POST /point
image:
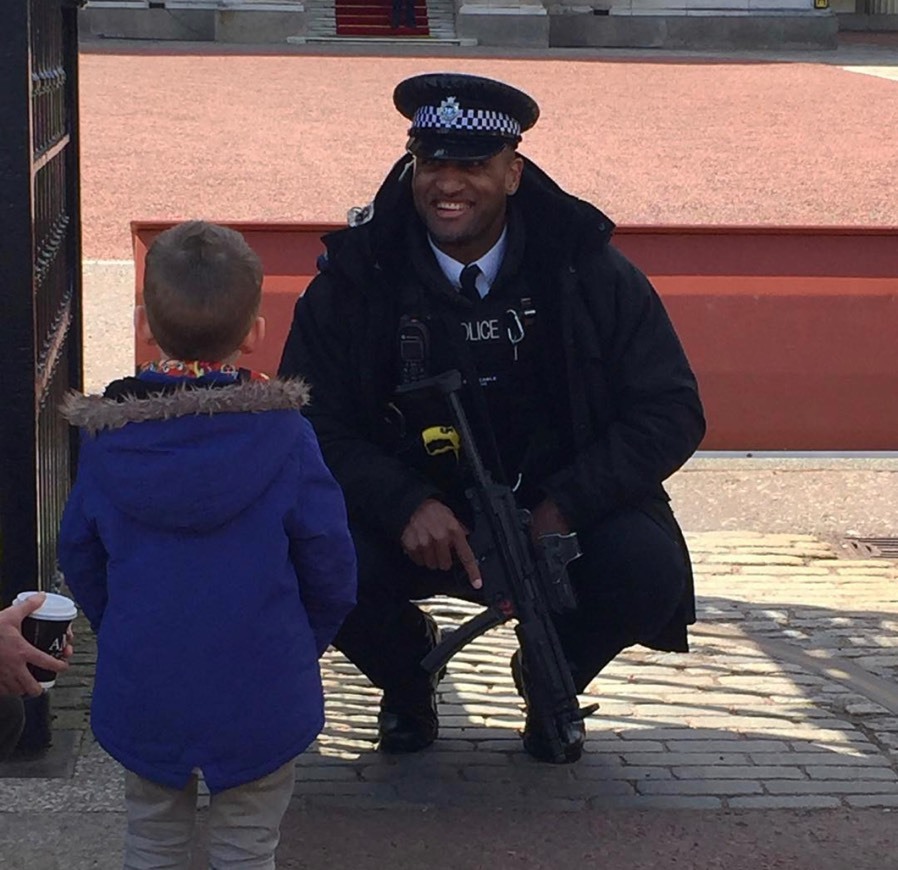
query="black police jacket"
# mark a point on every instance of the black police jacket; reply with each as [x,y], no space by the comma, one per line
[633,402]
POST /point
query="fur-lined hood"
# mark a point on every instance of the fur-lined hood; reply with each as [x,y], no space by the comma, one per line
[191,459]
[96,413]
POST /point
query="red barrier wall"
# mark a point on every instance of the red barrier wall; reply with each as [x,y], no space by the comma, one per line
[792,331]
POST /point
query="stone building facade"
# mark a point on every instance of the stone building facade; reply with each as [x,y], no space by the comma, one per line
[723,25]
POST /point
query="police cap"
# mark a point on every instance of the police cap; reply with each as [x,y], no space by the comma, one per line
[462,117]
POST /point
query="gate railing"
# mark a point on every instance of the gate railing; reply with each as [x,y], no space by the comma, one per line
[881,7]
[40,287]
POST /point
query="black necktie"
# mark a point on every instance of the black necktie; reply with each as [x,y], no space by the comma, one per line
[468,282]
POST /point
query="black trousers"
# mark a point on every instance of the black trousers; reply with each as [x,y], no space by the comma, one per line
[403,12]
[12,720]
[629,582]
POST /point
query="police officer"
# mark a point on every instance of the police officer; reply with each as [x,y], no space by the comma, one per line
[580,395]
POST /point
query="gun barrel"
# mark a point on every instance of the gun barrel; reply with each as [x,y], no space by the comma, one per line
[468,444]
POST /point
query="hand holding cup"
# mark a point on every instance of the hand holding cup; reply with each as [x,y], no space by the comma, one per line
[35,640]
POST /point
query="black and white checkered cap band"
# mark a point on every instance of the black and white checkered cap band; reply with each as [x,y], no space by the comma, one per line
[452,117]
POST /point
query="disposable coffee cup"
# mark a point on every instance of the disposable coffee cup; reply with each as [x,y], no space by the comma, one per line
[46,629]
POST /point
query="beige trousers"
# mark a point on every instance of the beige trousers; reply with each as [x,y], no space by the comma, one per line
[244,823]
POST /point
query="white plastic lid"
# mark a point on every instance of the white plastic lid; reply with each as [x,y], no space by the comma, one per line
[57,608]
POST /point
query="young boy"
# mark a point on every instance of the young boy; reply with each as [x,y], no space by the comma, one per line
[207,544]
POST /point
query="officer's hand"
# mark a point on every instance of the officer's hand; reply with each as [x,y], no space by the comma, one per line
[433,535]
[547,519]
[16,652]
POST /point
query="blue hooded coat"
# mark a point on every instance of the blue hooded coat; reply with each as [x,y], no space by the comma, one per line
[207,544]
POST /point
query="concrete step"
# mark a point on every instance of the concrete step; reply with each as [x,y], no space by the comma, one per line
[321,20]
[379,40]
[259,21]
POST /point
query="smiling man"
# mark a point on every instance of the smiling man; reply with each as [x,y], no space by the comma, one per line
[472,258]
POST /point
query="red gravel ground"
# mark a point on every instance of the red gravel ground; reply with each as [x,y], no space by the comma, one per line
[303,136]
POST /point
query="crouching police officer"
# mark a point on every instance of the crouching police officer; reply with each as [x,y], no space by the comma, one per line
[472,258]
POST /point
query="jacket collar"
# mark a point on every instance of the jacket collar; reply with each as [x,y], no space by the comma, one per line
[539,201]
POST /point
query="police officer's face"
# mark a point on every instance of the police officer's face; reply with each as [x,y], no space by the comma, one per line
[463,204]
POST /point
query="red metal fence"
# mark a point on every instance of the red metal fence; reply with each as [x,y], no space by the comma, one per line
[792,331]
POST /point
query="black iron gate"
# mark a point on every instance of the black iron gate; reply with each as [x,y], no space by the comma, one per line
[40,282]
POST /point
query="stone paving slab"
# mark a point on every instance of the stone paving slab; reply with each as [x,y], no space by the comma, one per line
[734,724]
[883,72]
[626,839]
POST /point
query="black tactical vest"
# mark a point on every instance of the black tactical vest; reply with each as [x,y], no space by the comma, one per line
[496,344]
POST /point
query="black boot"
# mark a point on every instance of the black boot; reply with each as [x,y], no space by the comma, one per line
[536,741]
[408,721]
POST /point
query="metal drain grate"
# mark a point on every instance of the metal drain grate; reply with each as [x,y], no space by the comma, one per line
[871,548]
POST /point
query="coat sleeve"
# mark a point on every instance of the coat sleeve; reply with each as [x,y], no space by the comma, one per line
[382,490]
[321,548]
[82,556]
[623,337]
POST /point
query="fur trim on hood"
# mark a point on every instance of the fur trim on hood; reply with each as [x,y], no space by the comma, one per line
[96,413]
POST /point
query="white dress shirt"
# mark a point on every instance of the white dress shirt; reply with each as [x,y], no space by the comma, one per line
[489,264]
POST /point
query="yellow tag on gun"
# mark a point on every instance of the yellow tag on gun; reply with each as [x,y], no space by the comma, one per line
[441,439]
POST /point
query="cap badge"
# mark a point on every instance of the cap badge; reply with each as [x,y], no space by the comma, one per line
[449,110]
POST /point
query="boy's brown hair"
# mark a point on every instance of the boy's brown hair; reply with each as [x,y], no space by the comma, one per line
[202,290]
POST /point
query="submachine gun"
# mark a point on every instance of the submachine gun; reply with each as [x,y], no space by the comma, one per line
[521,580]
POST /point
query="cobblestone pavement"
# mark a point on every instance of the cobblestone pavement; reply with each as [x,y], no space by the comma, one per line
[731,725]
[787,700]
